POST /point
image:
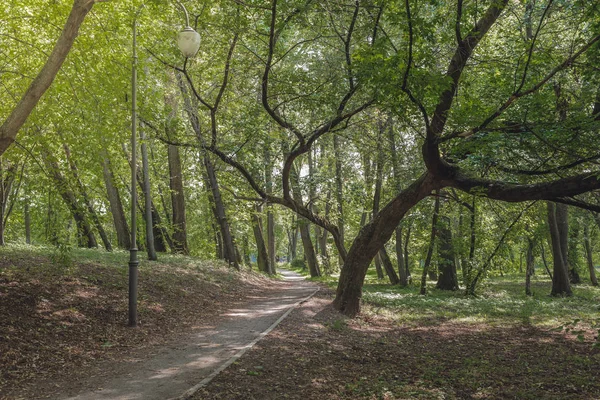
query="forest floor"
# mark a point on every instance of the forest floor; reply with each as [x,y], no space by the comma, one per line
[63,321]
[318,354]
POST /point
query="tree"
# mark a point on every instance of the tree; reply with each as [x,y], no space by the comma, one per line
[36,89]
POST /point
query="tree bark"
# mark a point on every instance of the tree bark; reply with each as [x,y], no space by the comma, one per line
[426,265]
[262,258]
[529,266]
[10,127]
[371,239]
[446,263]
[270,216]
[560,281]
[588,254]
[385,259]
[150,211]
[304,226]
[27,222]
[116,206]
[220,215]
[339,190]
[84,230]
[86,199]
[180,244]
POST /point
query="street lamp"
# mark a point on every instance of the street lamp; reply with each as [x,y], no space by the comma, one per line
[188,42]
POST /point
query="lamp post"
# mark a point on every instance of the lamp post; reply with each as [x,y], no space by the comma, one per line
[188,42]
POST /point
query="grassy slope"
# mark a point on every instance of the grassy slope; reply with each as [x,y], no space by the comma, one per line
[61,313]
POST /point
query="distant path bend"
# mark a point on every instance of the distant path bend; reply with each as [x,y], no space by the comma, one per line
[176,372]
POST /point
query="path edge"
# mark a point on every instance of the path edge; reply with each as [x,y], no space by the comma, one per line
[190,392]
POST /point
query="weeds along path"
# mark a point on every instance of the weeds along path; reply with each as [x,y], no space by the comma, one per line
[177,371]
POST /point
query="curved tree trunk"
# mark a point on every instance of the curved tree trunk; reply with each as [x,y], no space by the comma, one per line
[10,127]
[371,239]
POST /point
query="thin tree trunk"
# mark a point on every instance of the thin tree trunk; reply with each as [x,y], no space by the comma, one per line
[84,230]
[262,258]
[220,215]
[7,176]
[339,190]
[543,254]
[304,226]
[378,267]
[406,260]
[150,221]
[180,244]
[27,222]
[588,254]
[270,216]
[529,266]
[86,199]
[434,222]
[385,259]
[116,206]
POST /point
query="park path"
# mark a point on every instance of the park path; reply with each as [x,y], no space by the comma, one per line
[176,371]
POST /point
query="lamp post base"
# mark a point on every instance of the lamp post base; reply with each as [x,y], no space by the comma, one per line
[133,283]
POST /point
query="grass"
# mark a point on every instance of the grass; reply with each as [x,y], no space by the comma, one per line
[501,300]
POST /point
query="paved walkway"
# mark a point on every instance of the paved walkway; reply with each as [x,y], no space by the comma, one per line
[177,369]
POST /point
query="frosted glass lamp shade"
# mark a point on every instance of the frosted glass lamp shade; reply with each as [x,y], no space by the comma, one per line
[188,42]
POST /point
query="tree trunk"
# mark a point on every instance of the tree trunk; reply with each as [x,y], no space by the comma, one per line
[339,189]
[588,254]
[84,230]
[262,258]
[27,222]
[116,206]
[150,211]
[573,251]
[371,239]
[434,222]
[220,215]
[556,221]
[529,266]
[378,267]
[304,226]
[10,127]
[7,176]
[446,264]
[270,216]
[86,199]
[180,244]
[406,260]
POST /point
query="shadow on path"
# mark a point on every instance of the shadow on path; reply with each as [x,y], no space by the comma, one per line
[177,368]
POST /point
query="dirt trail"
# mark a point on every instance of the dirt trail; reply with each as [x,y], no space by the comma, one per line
[176,369]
